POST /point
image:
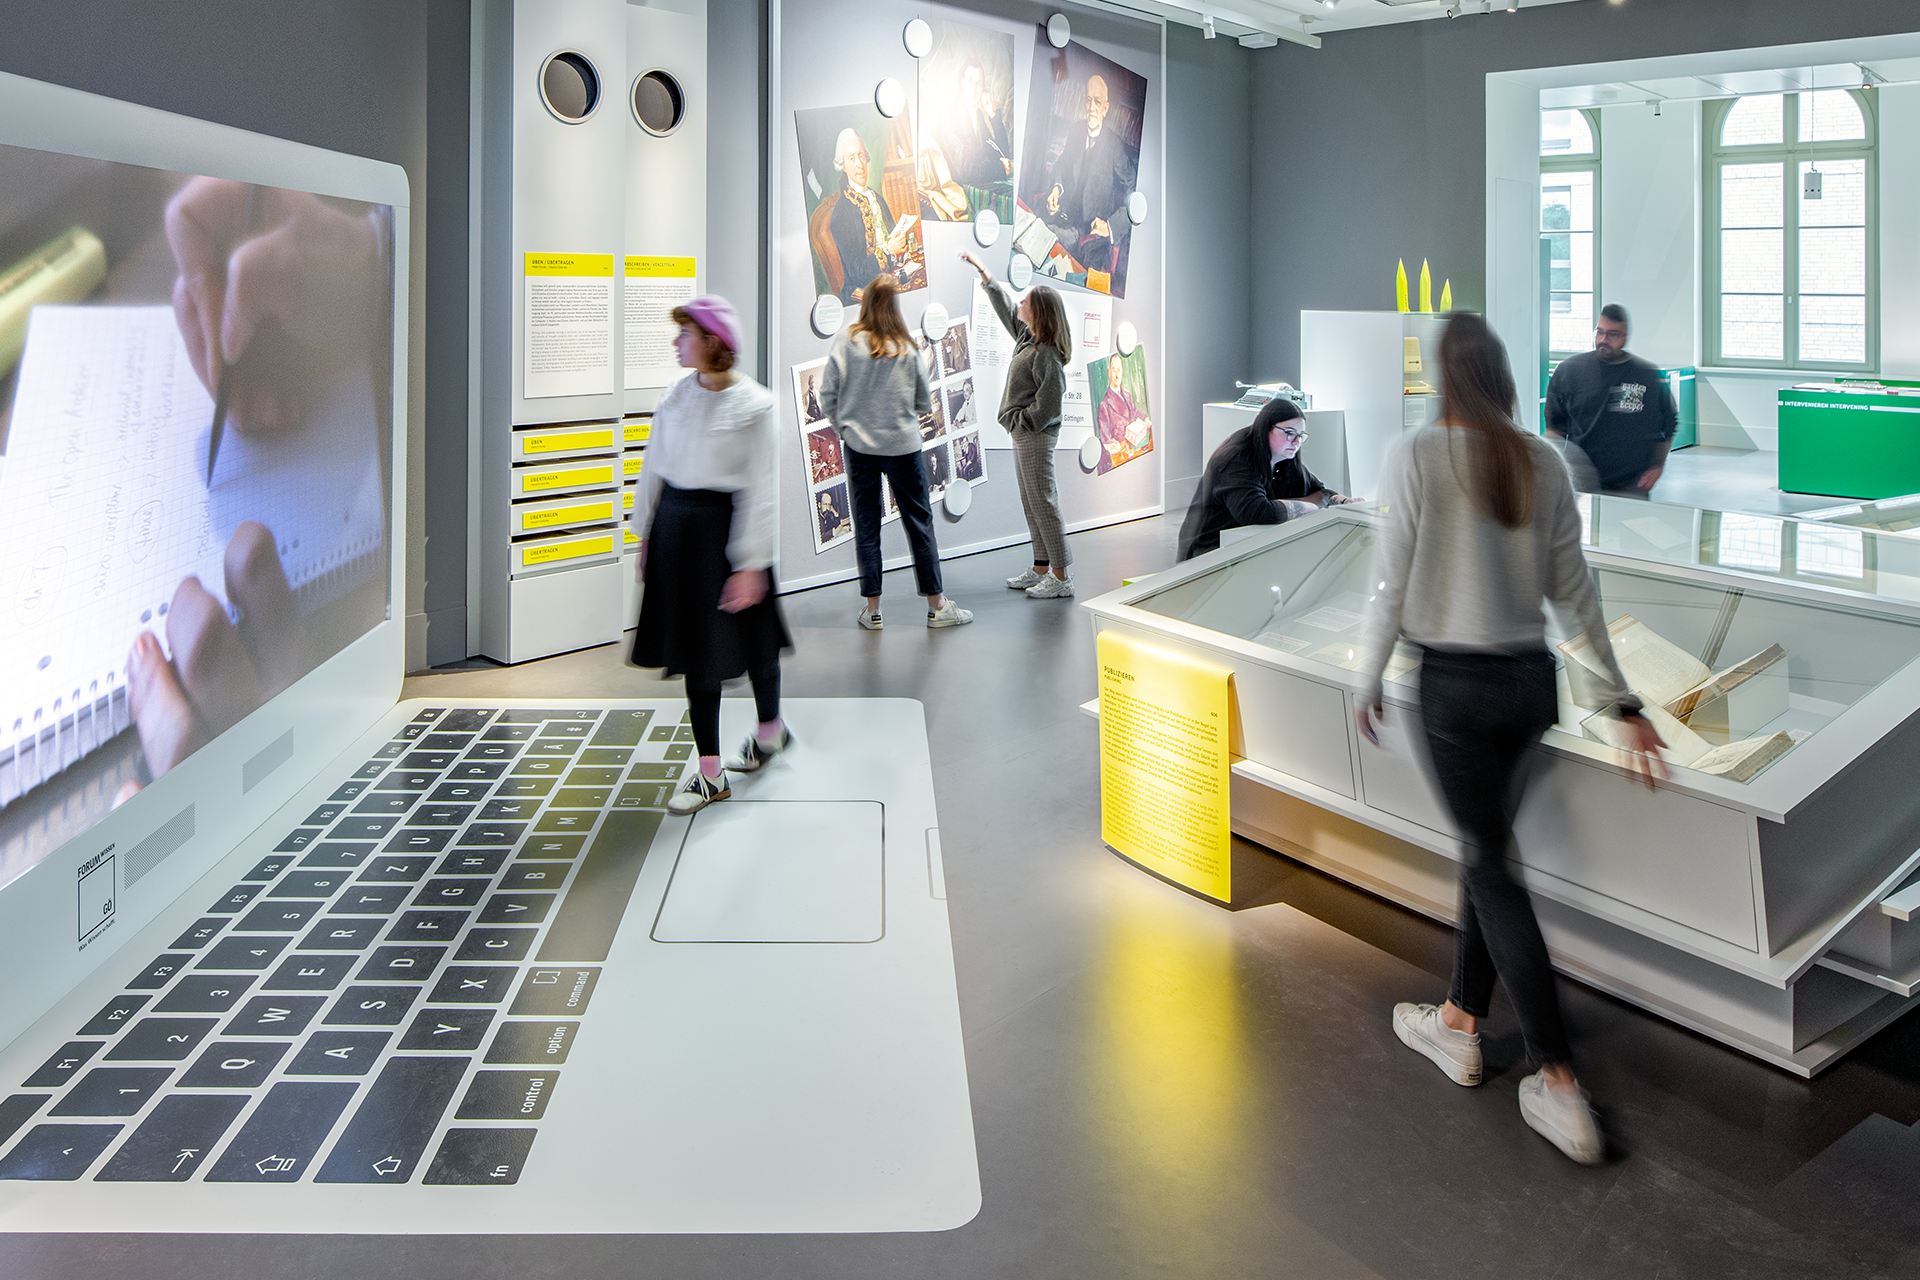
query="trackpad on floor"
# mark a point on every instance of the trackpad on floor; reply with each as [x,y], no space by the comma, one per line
[778,871]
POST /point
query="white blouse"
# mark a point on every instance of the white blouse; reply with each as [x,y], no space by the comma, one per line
[719,440]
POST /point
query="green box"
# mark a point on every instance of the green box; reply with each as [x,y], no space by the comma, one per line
[1850,439]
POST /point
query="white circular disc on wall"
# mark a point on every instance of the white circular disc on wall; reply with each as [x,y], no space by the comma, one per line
[1019,271]
[1090,453]
[890,96]
[986,228]
[1126,337]
[828,315]
[933,322]
[1137,208]
[959,496]
[918,37]
[1059,31]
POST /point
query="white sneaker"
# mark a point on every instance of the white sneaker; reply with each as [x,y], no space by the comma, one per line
[1051,588]
[1563,1118]
[1024,579]
[949,614]
[699,792]
[870,619]
[1455,1052]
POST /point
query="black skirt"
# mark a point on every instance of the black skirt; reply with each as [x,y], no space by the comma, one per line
[681,626]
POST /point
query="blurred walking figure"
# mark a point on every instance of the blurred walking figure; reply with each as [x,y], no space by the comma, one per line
[874,392]
[1030,411]
[1482,528]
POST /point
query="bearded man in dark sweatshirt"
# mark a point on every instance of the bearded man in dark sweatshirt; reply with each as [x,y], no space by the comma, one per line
[1614,409]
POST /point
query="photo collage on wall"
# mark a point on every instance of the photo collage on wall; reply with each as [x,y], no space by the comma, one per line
[954,425]
[828,493]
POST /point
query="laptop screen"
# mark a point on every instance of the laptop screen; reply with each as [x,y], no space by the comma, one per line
[196,429]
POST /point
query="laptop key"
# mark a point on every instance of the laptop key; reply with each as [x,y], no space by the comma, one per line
[533,875]
[268,868]
[480,1157]
[428,926]
[428,760]
[277,917]
[495,944]
[460,792]
[473,984]
[419,840]
[297,840]
[440,815]
[386,870]
[644,795]
[553,847]
[204,993]
[476,770]
[155,975]
[401,964]
[516,908]
[63,1066]
[117,1013]
[364,900]
[585,777]
[236,898]
[445,741]
[535,1042]
[339,1053]
[325,813]
[510,733]
[427,714]
[391,751]
[337,856]
[408,780]
[451,893]
[310,973]
[283,1133]
[654,772]
[581,797]
[372,1006]
[362,828]
[341,933]
[554,747]
[347,790]
[203,931]
[466,719]
[540,715]
[567,822]
[371,769]
[507,1095]
[596,901]
[679,751]
[397,1118]
[234,1064]
[112,1091]
[493,833]
[57,1152]
[17,1110]
[461,1029]
[562,991]
[310,884]
[622,728]
[613,757]
[524,787]
[510,807]
[274,1016]
[170,1144]
[244,954]
[161,1040]
[471,862]
[542,767]
[386,802]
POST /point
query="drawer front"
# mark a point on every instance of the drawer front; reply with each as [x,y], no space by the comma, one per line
[564,442]
[539,555]
[572,477]
[632,465]
[565,513]
[634,431]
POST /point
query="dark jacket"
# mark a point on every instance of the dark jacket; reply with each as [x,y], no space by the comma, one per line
[1036,379]
[1241,487]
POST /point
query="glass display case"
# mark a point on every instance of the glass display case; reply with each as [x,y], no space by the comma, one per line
[1742,896]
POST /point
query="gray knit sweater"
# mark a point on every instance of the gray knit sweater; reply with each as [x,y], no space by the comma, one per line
[1449,576]
[1035,379]
[875,402]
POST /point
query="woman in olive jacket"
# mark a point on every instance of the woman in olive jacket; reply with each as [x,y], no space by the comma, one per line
[1030,411]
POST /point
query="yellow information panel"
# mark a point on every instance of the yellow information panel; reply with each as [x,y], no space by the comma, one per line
[636,430]
[638,265]
[569,264]
[1164,723]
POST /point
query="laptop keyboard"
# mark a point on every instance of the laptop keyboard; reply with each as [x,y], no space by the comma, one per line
[391,994]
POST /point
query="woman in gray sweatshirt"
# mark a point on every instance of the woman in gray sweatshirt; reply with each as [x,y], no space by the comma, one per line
[873,392]
[1030,411]
[1481,528]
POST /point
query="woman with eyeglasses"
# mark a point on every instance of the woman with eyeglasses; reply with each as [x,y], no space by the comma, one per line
[1255,477]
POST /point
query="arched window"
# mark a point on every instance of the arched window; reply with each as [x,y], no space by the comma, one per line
[1792,231]
[1570,223]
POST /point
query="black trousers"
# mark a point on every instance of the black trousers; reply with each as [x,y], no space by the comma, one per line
[1483,712]
[703,705]
[909,484]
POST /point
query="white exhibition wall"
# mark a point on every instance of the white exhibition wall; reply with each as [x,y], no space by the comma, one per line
[833,53]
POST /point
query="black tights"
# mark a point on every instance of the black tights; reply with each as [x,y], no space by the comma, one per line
[703,706]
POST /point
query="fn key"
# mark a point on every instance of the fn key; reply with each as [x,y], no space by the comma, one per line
[480,1158]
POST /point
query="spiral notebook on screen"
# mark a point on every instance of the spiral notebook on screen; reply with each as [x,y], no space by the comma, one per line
[105,510]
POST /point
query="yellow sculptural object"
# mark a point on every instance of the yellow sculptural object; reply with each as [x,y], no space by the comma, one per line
[1446,296]
[1400,286]
[1426,287]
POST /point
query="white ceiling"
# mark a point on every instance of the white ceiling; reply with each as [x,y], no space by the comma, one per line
[1260,23]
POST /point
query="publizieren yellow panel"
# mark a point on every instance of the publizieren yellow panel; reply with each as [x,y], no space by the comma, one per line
[1164,756]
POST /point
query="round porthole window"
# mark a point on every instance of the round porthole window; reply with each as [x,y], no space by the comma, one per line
[570,86]
[659,103]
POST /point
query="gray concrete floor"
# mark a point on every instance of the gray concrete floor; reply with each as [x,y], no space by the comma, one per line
[1163,1088]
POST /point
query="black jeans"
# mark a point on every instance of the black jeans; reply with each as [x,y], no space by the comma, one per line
[1483,712]
[703,706]
[909,484]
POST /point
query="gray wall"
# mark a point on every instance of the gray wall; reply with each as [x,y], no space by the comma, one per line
[1372,147]
[1209,239]
[442,457]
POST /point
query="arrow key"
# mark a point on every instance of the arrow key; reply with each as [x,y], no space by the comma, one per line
[174,1142]
[283,1132]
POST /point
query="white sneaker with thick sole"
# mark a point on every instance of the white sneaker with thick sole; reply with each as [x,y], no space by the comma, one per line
[699,792]
[949,614]
[870,619]
[1024,579]
[1051,588]
[1563,1118]
[1455,1052]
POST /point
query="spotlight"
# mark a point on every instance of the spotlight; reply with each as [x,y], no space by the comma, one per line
[1449,11]
[1330,3]
[1206,27]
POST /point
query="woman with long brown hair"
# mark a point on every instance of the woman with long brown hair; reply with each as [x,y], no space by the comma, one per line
[1482,528]
[1030,411]
[873,392]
